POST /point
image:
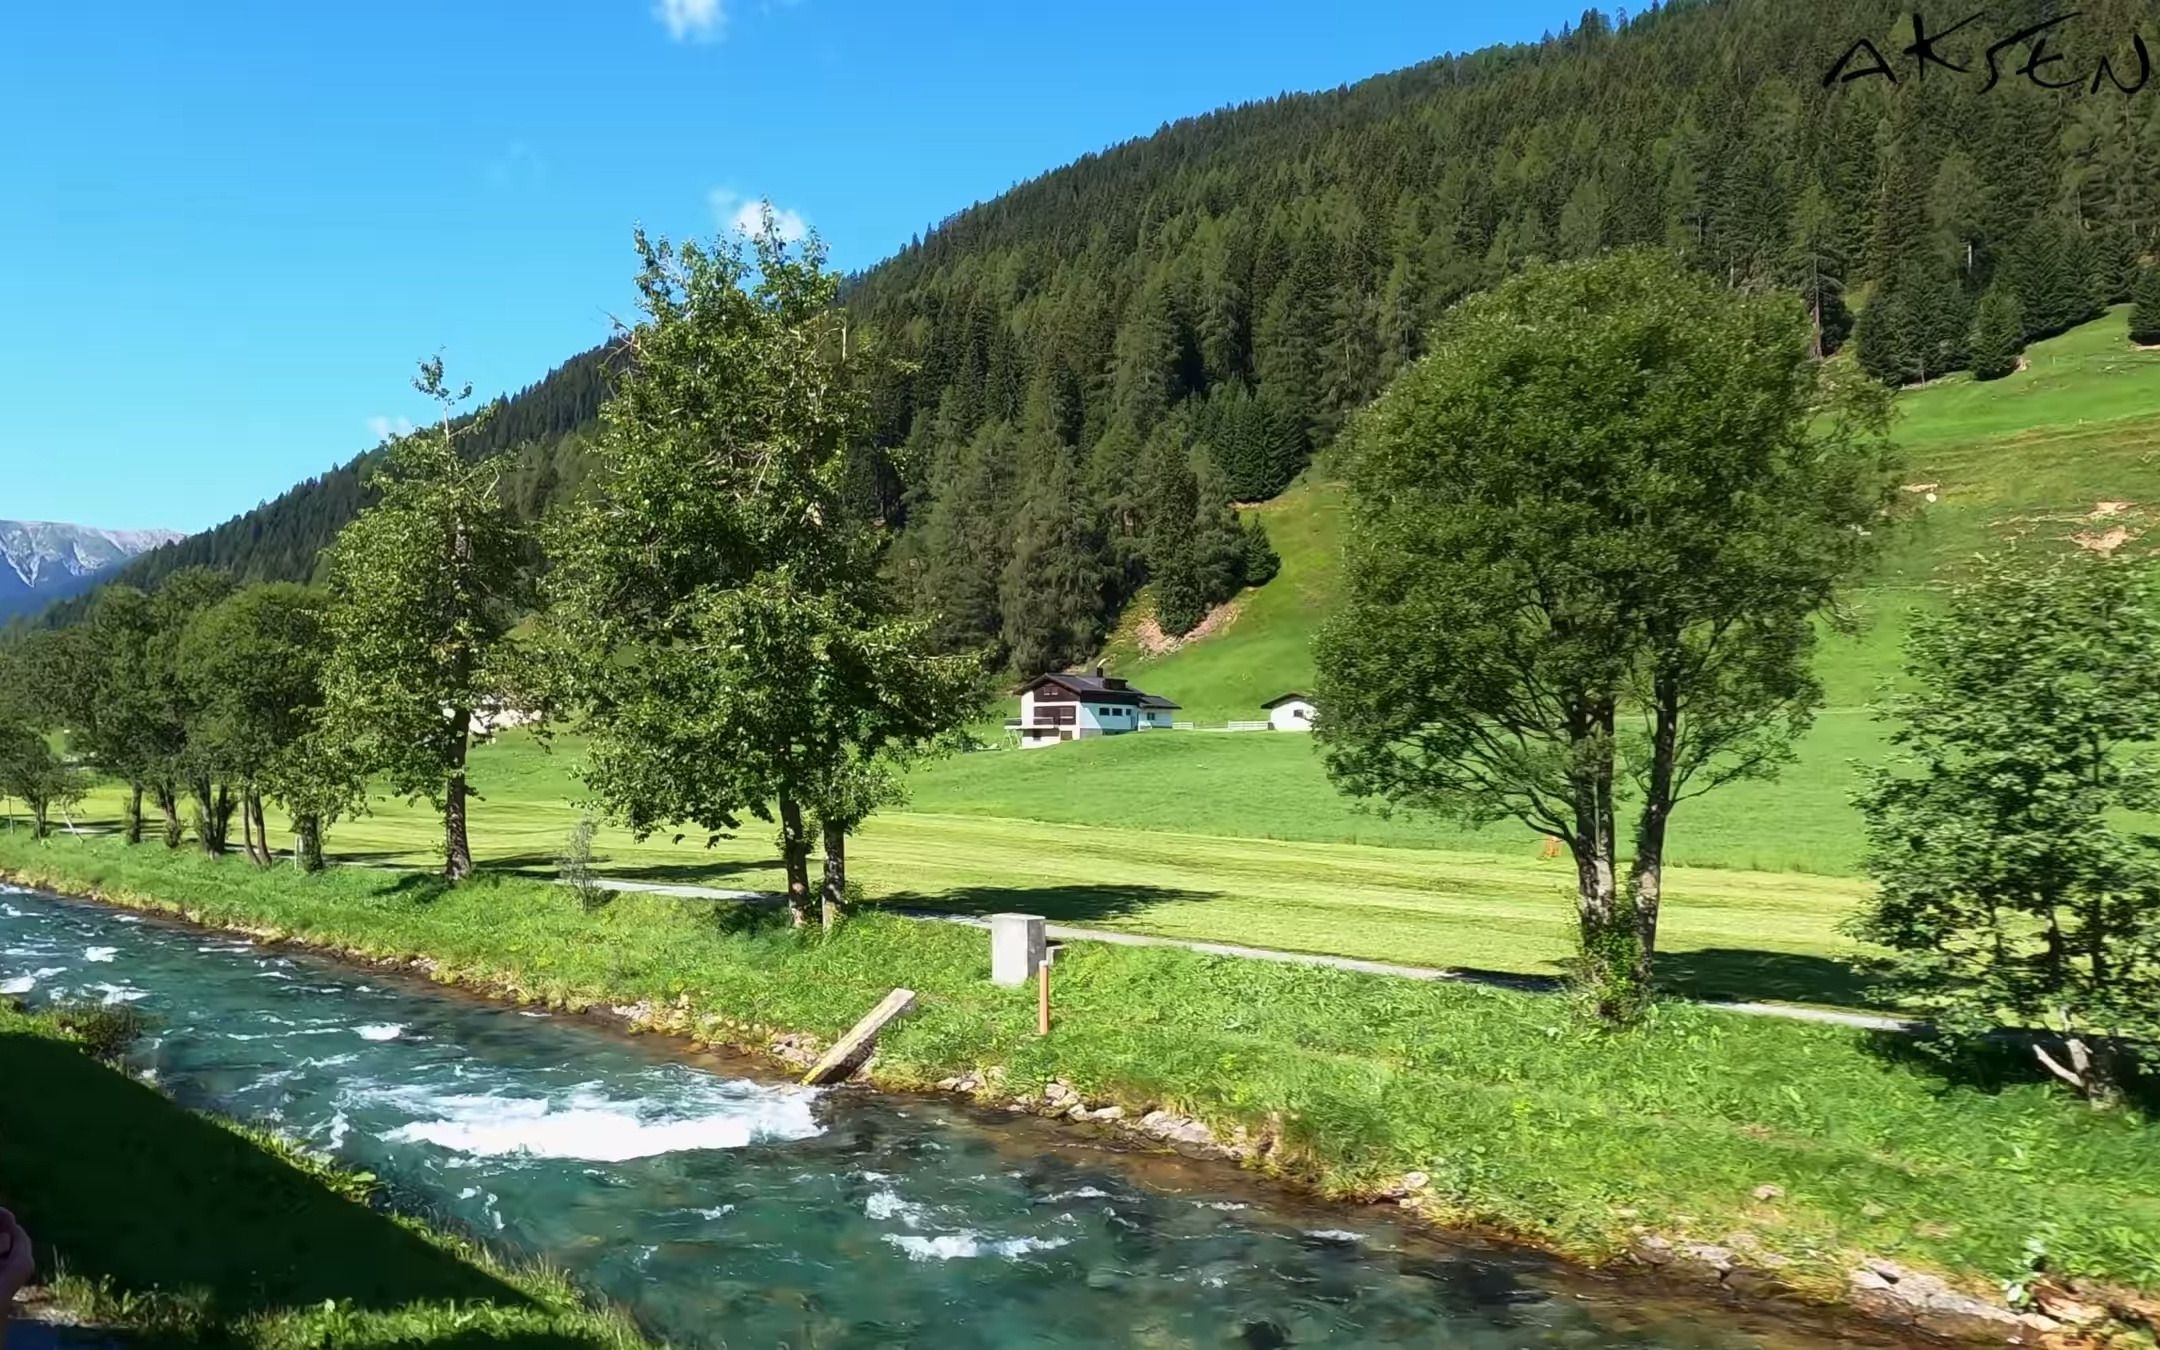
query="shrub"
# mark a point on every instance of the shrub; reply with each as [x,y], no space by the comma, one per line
[573,867]
[103,1030]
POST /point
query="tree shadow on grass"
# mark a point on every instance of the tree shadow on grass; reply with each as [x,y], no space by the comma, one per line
[423,888]
[1059,904]
[126,1187]
[2000,1064]
[1741,974]
[718,872]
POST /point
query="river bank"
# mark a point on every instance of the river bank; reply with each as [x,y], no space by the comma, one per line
[162,1224]
[1758,1156]
[724,1208]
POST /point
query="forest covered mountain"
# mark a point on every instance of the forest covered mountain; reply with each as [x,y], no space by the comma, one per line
[1071,382]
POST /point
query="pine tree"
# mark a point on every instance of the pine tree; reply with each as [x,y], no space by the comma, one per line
[1218,545]
[964,544]
[2145,307]
[1261,561]
[1815,266]
[1889,345]
[1998,335]
[1145,379]
[1290,340]
[1051,593]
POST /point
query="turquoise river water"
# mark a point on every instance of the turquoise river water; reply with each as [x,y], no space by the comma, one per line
[724,1208]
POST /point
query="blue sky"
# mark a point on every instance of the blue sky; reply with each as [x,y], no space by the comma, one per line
[230,229]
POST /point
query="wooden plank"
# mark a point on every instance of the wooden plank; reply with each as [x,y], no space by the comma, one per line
[850,1050]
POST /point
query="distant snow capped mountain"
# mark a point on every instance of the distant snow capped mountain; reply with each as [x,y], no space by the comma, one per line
[41,562]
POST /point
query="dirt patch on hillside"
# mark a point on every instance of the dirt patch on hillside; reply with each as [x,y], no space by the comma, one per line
[2102,541]
[1155,642]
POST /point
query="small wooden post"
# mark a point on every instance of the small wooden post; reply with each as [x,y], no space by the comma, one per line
[1042,998]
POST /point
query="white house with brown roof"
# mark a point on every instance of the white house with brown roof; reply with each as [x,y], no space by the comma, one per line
[1059,707]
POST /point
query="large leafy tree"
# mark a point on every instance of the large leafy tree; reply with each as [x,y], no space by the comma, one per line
[718,611]
[98,680]
[32,773]
[181,760]
[254,664]
[423,586]
[1590,536]
[2012,884]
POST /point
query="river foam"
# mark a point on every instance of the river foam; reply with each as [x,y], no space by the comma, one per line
[588,1125]
[958,1246]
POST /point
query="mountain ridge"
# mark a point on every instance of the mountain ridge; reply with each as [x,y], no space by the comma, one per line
[48,560]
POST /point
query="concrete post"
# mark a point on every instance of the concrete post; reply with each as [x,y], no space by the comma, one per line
[1016,947]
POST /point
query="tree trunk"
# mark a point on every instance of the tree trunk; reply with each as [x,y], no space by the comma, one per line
[1607,960]
[213,816]
[457,847]
[134,813]
[169,803]
[307,827]
[251,808]
[834,897]
[40,817]
[1647,876]
[795,857]
[247,831]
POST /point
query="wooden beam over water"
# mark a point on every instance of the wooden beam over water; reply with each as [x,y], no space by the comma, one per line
[850,1050]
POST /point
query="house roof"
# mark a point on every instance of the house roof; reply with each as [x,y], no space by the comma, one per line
[1097,689]
[1292,697]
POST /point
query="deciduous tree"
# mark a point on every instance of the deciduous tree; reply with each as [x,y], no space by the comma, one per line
[254,663]
[1589,537]
[33,774]
[423,587]
[2012,883]
[719,613]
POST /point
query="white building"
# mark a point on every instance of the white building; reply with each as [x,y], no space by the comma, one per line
[1055,708]
[1289,712]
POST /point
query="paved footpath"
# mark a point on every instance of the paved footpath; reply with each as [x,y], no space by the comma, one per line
[1068,933]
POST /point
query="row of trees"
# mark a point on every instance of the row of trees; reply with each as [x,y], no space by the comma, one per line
[713,610]
[204,698]
[1026,556]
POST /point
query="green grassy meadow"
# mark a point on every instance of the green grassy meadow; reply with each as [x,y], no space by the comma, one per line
[1522,1118]
[1240,837]
[1427,898]
[183,1229]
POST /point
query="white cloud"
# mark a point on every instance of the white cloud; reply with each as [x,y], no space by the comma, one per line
[692,20]
[383,428]
[746,216]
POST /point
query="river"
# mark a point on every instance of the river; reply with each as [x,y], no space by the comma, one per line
[723,1207]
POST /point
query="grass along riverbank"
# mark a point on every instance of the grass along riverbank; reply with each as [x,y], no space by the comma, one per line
[1521,1120]
[1728,933]
[163,1225]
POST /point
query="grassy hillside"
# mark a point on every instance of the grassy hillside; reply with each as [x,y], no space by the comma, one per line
[2068,446]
